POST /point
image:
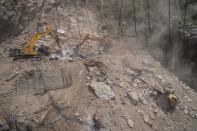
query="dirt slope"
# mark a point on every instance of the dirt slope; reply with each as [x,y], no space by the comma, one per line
[125,67]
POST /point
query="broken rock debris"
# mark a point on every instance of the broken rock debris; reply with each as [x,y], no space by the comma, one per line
[60,31]
[133,97]
[98,123]
[66,53]
[102,90]
[130,123]
[145,117]
[147,120]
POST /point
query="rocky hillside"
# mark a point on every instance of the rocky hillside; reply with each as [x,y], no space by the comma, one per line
[119,89]
[108,82]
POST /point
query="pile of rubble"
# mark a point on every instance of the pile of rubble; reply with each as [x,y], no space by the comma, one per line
[98,81]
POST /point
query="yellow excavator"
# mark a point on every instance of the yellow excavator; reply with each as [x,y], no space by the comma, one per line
[32,48]
[173,99]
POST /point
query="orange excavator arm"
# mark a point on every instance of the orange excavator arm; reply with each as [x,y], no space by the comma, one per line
[29,48]
[88,37]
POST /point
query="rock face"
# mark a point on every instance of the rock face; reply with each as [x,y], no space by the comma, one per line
[18,122]
[16,14]
[9,18]
[41,81]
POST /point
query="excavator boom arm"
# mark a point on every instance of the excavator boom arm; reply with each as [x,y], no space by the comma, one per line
[29,48]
